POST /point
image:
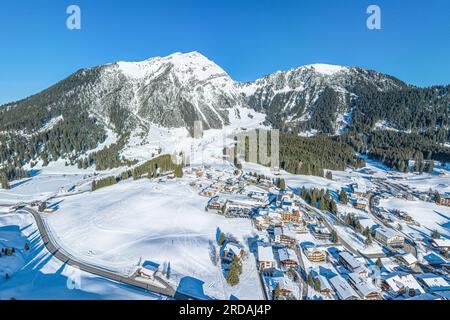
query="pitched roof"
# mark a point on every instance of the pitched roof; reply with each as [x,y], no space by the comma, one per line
[398,282]
[363,285]
[409,258]
[265,254]
[434,282]
[350,259]
[287,254]
[442,242]
[343,289]
[150,265]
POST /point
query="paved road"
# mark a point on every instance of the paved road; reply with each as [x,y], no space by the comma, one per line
[303,284]
[59,253]
[342,241]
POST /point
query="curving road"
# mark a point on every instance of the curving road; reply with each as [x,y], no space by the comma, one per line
[59,253]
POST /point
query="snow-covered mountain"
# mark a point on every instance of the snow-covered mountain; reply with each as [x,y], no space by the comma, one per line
[172,91]
[142,103]
[318,96]
[176,90]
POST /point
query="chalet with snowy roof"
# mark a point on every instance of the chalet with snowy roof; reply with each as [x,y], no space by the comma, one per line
[389,237]
[287,203]
[282,236]
[266,259]
[445,199]
[287,287]
[288,258]
[359,189]
[364,287]
[402,284]
[348,261]
[424,297]
[433,283]
[343,289]
[360,204]
[229,250]
[262,222]
[325,287]
[314,254]
[215,204]
[407,259]
[434,260]
[321,232]
[442,244]
[148,269]
[389,265]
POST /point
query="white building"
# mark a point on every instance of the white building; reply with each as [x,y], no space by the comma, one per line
[348,261]
[389,237]
[402,283]
[265,258]
[148,269]
[365,288]
[288,257]
[343,289]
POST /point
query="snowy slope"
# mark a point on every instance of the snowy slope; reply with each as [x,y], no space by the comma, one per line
[163,222]
[36,274]
[300,95]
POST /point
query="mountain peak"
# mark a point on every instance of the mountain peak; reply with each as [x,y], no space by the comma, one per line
[326,69]
[187,66]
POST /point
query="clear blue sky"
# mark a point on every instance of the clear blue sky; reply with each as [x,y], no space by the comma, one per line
[248,38]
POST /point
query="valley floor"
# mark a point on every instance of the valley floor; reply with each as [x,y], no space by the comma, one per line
[165,222]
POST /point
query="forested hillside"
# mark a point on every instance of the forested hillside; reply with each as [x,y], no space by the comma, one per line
[423,111]
[70,136]
[312,155]
[395,149]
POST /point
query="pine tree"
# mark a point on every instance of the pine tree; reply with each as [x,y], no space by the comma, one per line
[379,263]
[368,241]
[366,232]
[234,271]
[322,204]
[310,279]
[343,197]
[282,185]
[334,237]
[430,168]
[277,292]
[5,182]
[238,264]
[168,271]
[317,284]
[333,207]
[437,198]
[179,172]
[435,234]
[221,239]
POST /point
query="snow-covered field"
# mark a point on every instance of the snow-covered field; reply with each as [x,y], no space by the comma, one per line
[36,274]
[430,215]
[116,227]
[39,187]
[165,222]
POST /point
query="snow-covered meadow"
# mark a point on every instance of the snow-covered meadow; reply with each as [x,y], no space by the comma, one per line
[36,274]
[118,226]
[429,215]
